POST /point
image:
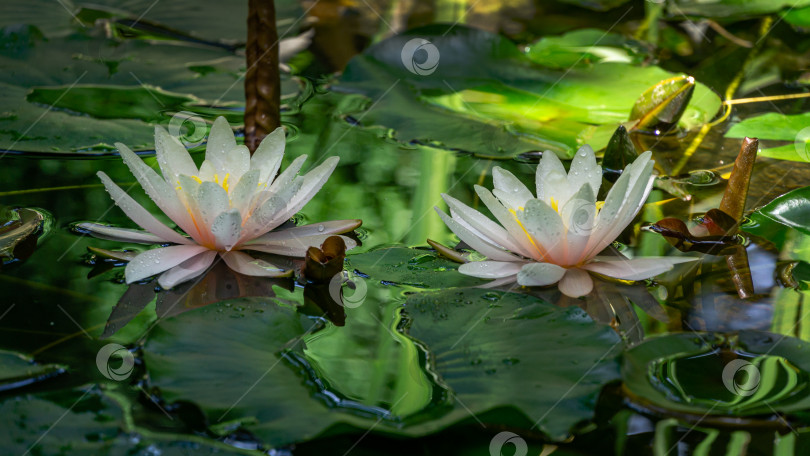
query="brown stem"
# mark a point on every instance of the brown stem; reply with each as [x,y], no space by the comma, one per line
[262,83]
[733,204]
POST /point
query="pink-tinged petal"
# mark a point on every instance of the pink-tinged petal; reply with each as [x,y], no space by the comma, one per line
[156,261]
[499,282]
[490,269]
[476,243]
[246,264]
[112,233]
[172,157]
[510,222]
[311,183]
[226,229]
[261,220]
[539,274]
[546,228]
[330,227]
[635,268]
[267,158]
[220,142]
[509,189]
[138,214]
[295,247]
[576,283]
[187,270]
[480,224]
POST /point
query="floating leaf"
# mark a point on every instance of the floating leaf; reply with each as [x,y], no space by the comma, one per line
[20,231]
[791,209]
[661,106]
[413,267]
[619,153]
[501,103]
[17,370]
[779,127]
[730,9]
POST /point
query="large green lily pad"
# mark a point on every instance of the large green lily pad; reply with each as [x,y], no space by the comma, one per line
[486,97]
[412,267]
[266,367]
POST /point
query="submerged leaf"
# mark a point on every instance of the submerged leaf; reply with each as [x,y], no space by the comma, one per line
[20,230]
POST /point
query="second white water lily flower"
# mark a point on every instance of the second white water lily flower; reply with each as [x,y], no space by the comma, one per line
[557,236]
[232,203]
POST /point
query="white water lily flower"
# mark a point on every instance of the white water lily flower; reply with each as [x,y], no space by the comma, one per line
[557,236]
[229,205]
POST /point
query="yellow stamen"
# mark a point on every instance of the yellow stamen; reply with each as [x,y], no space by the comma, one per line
[528,236]
[216,178]
[554,205]
[225,182]
[197,178]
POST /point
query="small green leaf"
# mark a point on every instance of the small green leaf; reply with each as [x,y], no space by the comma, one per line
[661,107]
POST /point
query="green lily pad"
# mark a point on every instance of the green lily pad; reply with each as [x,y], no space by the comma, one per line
[412,267]
[791,209]
[754,373]
[268,368]
[486,97]
[778,127]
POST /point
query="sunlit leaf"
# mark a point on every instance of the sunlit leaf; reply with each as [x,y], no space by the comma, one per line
[779,127]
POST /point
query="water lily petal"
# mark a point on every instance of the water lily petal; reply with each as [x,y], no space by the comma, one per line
[156,261]
[510,222]
[267,157]
[311,183]
[187,270]
[330,227]
[491,269]
[576,283]
[546,228]
[480,245]
[578,215]
[262,219]
[242,193]
[296,246]
[622,203]
[220,143]
[207,171]
[156,187]
[286,177]
[480,224]
[246,264]
[112,233]
[172,157]
[539,274]
[635,268]
[551,178]
[509,189]
[213,200]
[227,228]
[584,170]
[138,214]
[499,282]
[237,163]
